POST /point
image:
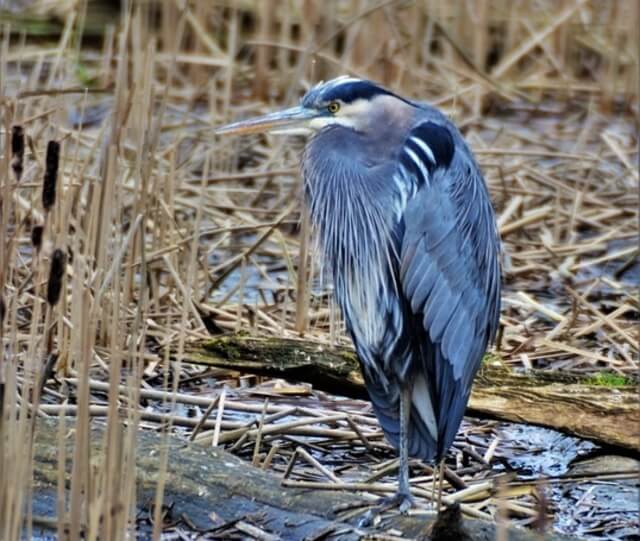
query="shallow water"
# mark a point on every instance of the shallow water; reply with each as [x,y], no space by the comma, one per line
[533,451]
[589,507]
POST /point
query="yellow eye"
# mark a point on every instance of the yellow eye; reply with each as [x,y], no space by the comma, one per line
[333,107]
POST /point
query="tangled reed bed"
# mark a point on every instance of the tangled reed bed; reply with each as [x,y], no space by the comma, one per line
[165,234]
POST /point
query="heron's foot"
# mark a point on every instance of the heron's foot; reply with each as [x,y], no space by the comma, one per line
[403,501]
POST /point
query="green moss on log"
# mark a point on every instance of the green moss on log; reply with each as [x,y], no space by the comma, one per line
[605,410]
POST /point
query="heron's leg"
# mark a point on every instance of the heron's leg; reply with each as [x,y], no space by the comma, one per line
[440,479]
[434,476]
[404,488]
[402,499]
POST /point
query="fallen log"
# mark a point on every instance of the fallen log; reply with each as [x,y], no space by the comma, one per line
[561,401]
[207,487]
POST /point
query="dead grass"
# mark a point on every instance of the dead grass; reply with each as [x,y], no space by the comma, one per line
[169,234]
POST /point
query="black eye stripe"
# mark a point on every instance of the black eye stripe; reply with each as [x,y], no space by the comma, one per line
[346,91]
[356,90]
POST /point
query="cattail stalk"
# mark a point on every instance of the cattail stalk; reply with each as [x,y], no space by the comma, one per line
[3,310]
[50,175]
[36,237]
[17,151]
[54,288]
[56,273]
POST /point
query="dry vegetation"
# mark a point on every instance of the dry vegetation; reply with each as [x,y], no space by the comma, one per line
[150,234]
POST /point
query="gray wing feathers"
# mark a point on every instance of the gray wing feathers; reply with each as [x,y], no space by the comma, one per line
[441,304]
[385,404]
[450,275]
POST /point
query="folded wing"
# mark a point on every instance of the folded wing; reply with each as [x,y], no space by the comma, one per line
[449,274]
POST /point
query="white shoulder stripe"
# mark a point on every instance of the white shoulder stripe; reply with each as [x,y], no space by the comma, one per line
[404,174]
[425,148]
[419,163]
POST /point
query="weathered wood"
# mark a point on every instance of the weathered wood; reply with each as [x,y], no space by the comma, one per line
[560,401]
[204,482]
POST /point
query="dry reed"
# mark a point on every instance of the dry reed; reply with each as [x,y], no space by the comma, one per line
[172,234]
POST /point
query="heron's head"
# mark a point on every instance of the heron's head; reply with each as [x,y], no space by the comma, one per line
[346,101]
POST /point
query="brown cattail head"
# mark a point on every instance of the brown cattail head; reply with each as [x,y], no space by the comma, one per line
[50,175]
[56,273]
[36,236]
[3,309]
[17,151]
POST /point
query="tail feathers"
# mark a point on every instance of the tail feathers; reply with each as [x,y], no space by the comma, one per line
[438,402]
[452,396]
[422,439]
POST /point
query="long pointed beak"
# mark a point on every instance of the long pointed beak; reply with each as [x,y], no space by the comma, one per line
[282,121]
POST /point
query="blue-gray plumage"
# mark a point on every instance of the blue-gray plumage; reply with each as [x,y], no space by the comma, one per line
[405,221]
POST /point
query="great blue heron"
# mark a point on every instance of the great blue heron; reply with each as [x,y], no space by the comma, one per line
[405,221]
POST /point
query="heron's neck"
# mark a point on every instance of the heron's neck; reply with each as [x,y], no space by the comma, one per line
[347,188]
[351,208]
